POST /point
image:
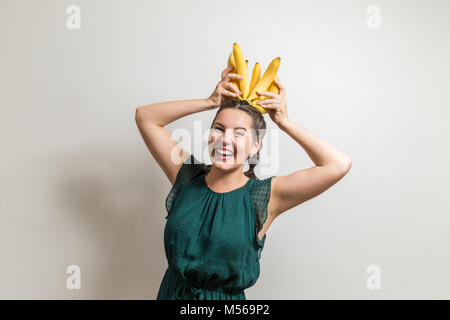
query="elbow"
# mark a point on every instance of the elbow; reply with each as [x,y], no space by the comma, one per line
[138,114]
[144,116]
[347,166]
[342,167]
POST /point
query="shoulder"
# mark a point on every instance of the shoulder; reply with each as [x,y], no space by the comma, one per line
[191,167]
[189,170]
[260,191]
[261,185]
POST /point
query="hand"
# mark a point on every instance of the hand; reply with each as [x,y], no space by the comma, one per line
[277,106]
[225,90]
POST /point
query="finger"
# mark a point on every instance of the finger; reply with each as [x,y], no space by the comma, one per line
[231,87]
[267,101]
[226,71]
[234,76]
[270,106]
[229,93]
[282,88]
[267,93]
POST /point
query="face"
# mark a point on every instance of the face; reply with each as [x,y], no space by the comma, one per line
[232,139]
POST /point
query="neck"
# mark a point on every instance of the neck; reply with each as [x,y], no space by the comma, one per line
[226,179]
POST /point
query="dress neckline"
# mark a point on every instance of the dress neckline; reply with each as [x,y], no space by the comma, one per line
[222,193]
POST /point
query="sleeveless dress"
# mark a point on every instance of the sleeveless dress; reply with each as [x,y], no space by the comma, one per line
[211,239]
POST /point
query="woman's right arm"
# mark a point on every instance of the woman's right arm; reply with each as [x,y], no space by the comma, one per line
[151,120]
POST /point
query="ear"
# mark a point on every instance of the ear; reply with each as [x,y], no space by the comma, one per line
[255,147]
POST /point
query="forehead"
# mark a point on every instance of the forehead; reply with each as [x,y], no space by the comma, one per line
[232,118]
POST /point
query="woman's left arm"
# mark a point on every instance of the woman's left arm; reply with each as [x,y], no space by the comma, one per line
[331,164]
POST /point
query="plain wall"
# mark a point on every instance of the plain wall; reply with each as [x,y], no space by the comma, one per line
[79,187]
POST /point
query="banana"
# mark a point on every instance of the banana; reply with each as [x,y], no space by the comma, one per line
[261,109]
[266,83]
[241,69]
[272,88]
[255,75]
[266,79]
[246,66]
[232,63]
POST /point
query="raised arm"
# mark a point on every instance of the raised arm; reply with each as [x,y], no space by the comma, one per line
[331,164]
[293,189]
[151,120]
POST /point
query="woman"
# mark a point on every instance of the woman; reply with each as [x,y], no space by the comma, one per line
[217,215]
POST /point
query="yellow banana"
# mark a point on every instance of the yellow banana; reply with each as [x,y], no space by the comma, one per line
[272,88]
[246,71]
[241,69]
[246,66]
[261,109]
[255,75]
[266,83]
[266,79]
[231,62]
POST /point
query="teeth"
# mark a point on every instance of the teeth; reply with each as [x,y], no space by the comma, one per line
[223,154]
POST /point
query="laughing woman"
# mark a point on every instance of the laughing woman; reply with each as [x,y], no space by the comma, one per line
[218,215]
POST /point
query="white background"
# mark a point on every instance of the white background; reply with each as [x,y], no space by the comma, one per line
[78,185]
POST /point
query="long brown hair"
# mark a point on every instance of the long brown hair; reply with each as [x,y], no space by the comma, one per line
[259,126]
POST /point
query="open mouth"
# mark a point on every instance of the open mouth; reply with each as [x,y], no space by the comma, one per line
[222,156]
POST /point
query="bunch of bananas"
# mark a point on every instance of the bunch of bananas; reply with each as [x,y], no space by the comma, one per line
[249,88]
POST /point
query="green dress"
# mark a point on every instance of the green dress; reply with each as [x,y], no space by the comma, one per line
[211,239]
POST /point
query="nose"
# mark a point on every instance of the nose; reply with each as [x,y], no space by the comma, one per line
[225,140]
[228,136]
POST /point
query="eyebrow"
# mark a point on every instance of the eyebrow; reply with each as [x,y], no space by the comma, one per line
[235,127]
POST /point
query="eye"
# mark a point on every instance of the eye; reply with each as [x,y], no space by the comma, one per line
[239,133]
